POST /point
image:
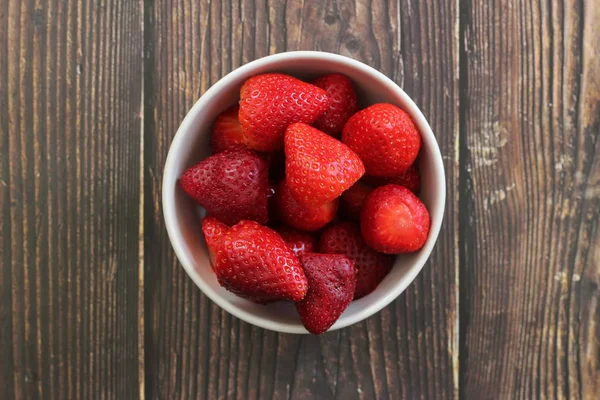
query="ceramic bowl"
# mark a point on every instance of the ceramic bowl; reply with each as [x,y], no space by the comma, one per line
[191,145]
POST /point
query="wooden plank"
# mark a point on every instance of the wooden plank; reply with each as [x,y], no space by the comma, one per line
[69,193]
[6,351]
[196,350]
[531,270]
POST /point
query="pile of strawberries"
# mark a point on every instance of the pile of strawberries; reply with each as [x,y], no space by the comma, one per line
[307,197]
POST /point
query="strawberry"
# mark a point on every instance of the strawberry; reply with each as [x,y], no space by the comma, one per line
[300,217]
[410,179]
[213,230]
[255,263]
[271,102]
[318,167]
[371,266]
[385,138]
[226,132]
[352,199]
[300,242]
[231,186]
[331,279]
[342,103]
[393,220]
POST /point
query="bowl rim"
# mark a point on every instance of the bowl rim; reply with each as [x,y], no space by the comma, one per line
[173,226]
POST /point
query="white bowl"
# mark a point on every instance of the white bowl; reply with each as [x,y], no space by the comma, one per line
[191,145]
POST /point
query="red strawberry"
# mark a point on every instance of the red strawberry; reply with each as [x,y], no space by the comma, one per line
[371,266]
[271,102]
[213,230]
[409,179]
[255,263]
[231,186]
[318,167]
[385,138]
[342,103]
[299,217]
[352,199]
[227,132]
[393,220]
[331,279]
[300,242]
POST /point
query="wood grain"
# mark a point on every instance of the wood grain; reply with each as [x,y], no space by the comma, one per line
[196,350]
[531,270]
[69,192]
[94,304]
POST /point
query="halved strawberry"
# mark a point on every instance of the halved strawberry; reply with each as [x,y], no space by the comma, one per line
[331,279]
[318,167]
[393,220]
[342,103]
[213,230]
[300,217]
[300,242]
[256,263]
[226,132]
[372,267]
[231,186]
[269,103]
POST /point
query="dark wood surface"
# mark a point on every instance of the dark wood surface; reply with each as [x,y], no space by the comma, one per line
[93,303]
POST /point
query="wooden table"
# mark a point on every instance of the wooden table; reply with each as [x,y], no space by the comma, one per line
[93,303]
